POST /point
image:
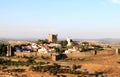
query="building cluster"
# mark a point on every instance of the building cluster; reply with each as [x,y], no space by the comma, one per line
[51,47]
[41,48]
[47,48]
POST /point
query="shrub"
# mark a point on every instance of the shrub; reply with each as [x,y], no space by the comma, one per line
[31,60]
[56,65]
[74,67]
[96,73]
[41,63]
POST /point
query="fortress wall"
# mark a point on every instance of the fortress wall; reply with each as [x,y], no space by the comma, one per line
[91,53]
[28,54]
[69,55]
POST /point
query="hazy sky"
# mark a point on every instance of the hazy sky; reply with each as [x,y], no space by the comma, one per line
[74,18]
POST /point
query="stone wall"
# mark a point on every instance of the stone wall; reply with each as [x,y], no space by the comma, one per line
[91,53]
[69,55]
[28,54]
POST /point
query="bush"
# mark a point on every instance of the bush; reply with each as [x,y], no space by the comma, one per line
[31,60]
[96,73]
[41,63]
[18,70]
[12,63]
[46,58]
[74,67]
[56,66]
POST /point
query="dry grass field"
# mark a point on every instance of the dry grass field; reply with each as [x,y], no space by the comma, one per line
[109,64]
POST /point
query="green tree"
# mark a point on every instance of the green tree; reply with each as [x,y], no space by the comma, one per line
[63,43]
[59,50]
[31,60]
[74,67]
[97,47]
[108,46]
[42,41]
[3,49]
[85,44]
[69,47]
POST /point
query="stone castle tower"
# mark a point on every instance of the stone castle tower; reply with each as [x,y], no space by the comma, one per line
[52,38]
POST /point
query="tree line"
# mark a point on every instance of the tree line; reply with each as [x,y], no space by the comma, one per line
[3,49]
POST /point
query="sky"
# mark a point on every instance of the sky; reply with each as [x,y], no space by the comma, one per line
[79,19]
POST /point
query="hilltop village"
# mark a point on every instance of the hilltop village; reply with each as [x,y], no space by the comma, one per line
[53,45]
[58,58]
